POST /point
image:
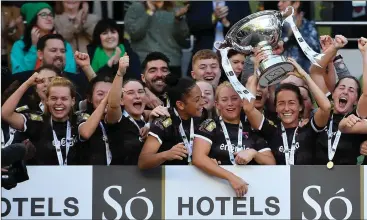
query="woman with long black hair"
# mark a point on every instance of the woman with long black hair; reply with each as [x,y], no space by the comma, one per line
[170,139]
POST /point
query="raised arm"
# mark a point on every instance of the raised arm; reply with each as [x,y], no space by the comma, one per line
[362,103]
[114,98]
[323,112]
[87,128]
[330,48]
[8,113]
[138,19]
[83,60]
[254,116]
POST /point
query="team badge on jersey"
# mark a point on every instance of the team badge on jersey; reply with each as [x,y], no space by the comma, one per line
[22,108]
[35,117]
[167,122]
[211,126]
[85,116]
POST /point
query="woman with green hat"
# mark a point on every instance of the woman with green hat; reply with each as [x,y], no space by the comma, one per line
[40,22]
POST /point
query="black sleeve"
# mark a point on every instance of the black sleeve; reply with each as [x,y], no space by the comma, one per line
[158,128]
[267,129]
[314,126]
[33,125]
[206,130]
[260,143]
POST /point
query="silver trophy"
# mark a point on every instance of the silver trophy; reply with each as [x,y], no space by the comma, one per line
[263,30]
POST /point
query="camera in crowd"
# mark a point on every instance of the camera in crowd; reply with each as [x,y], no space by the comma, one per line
[13,167]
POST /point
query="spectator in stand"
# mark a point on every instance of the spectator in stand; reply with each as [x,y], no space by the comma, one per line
[209,21]
[306,28]
[12,29]
[158,26]
[108,46]
[75,24]
[40,22]
[51,51]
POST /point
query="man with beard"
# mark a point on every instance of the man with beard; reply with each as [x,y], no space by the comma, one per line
[206,67]
[155,69]
[51,51]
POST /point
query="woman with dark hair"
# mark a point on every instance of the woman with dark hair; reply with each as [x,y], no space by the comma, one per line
[40,22]
[54,133]
[108,46]
[158,26]
[237,60]
[335,146]
[290,143]
[170,139]
[95,147]
[127,127]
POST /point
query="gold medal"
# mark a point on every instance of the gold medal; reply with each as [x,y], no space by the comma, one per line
[330,165]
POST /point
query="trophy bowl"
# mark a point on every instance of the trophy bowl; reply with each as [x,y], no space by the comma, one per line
[261,30]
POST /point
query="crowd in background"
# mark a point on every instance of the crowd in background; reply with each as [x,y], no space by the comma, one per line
[78,89]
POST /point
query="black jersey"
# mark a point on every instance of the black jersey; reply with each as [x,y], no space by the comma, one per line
[93,150]
[211,131]
[305,139]
[348,148]
[38,129]
[126,143]
[166,130]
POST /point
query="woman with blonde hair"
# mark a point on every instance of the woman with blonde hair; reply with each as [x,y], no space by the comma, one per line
[228,140]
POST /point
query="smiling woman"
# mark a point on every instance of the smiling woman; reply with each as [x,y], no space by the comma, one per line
[171,137]
[40,22]
[291,144]
[54,133]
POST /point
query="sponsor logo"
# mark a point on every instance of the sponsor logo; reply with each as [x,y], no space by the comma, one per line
[126,193]
[39,206]
[240,206]
[320,193]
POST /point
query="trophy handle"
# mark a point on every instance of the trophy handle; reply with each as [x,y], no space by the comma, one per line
[307,50]
[285,12]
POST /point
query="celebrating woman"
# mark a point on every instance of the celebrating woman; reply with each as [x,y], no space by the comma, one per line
[228,140]
[290,143]
[208,91]
[54,133]
[40,22]
[128,122]
[170,139]
[95,145]
[333,146]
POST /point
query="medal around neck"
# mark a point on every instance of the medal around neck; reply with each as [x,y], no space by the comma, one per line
[263,30]
[330,165]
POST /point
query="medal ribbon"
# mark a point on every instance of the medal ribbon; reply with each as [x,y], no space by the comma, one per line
[105,139]
[57,144]
[289,153]
[187,144]
[231,149]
